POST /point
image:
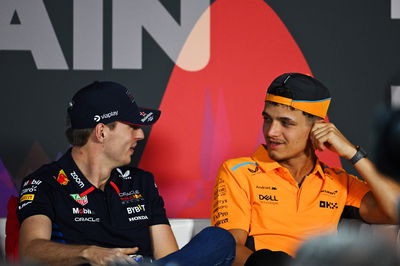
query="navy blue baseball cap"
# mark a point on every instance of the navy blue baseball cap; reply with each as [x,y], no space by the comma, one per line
[106,102]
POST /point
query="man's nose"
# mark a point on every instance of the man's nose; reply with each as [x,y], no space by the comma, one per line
[138,134]
[272,129]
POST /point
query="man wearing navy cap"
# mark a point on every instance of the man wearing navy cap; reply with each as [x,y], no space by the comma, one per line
[282,195]
[91,207]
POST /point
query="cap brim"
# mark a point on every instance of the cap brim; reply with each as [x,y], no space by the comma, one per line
[146,117]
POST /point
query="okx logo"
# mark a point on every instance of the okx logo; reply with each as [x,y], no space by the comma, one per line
[328,205]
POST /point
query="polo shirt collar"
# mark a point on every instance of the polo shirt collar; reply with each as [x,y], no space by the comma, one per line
[75,181]
[267,164]
[263,160]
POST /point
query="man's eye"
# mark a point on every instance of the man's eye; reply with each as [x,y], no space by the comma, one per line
[135,127]
[287,123]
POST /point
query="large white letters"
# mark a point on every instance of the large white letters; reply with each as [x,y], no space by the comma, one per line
[395,9]
[187,43]
[130,17]
[88,35]
[35,33]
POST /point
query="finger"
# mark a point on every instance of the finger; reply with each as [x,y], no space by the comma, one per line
[318,124]
[318,141]
[322,128]
[129,250]
[323,142]
[316,138]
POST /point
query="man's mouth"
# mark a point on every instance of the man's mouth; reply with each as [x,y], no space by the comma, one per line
[132,148]
[274,144]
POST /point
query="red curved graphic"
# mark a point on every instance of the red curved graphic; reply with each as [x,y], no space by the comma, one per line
[215,114]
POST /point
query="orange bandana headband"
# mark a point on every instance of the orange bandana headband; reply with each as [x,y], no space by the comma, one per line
[318,108]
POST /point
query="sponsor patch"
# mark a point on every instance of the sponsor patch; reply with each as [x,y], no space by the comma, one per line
[24,204]
[29,190]
[328,192]
[81,200]
[32,182]
[147,116]
[136,209]
[255,170]
[130,196]
[328,204]
[82,211]
[125,175]
[267,197]
[137,218]
[26,197]
[77,179]
[267,187]
[87,219]
[218,202]
[220,208]
[220,215]
[222,221]
[97,118]
[219,191]
[62,178]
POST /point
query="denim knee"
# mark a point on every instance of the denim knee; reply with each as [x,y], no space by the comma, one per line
[220,237]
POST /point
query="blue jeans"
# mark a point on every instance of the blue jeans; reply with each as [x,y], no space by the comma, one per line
[212,246]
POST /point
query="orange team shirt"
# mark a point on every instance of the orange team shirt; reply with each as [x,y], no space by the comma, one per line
[259,196]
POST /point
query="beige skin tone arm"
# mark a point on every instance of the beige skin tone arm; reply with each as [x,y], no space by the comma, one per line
[380,204]
[242,252]
[35,246]
[163,240]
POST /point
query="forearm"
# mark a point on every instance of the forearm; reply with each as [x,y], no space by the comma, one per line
[51,253]
[385,190]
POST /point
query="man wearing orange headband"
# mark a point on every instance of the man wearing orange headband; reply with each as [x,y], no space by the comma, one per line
[282,195]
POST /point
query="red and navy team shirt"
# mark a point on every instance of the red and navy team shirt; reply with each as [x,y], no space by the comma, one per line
[119,216]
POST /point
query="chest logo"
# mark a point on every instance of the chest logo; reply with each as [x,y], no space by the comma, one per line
[125,175]
[77,179]
[82,211]
[329,192]
[255,170]
[131,196]
[136,209]
[62,178]
[26,197]
[81,200]
[267,197]
[328,204]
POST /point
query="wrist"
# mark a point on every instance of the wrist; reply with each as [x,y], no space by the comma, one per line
[360,154]
[85,253]
[350,154]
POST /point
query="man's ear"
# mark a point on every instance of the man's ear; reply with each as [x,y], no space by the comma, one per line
[100,132]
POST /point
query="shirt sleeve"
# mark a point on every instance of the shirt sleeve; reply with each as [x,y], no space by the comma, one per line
[158,213]
[34,199]
[356,191]
[231,203]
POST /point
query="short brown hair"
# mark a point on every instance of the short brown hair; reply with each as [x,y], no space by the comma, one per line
[79,137]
